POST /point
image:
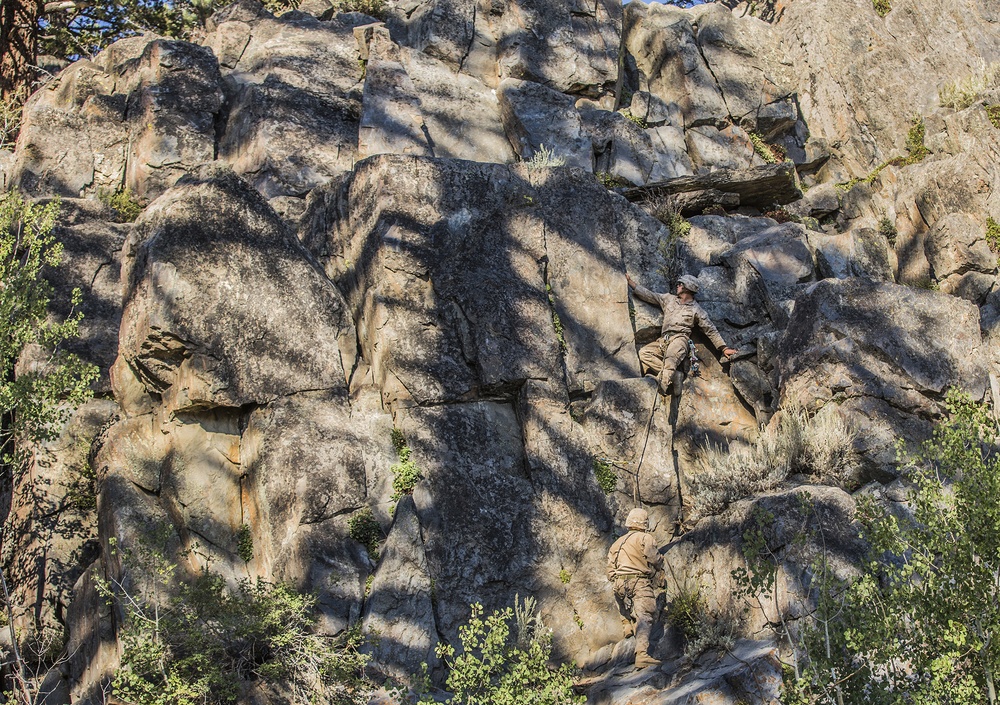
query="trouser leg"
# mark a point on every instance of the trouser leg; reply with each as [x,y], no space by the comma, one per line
[651,357]
[644,608]
[675,350]
[624,603]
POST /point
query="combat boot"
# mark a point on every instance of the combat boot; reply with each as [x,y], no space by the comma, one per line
[644,660]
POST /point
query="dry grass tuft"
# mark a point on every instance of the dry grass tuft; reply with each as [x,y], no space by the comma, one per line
[821,445]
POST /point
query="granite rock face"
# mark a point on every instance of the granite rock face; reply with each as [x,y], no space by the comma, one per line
[357,234]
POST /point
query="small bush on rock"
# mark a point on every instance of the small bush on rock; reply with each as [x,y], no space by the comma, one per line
[964,93]
[544,158]
[492,668]
[701,628]
[372,8]
[887,229]
[605,475]
[882,7]
[820,445]
[124,203]
[993,235]
[10,120]
[406,474]
[365,529]
[993,113]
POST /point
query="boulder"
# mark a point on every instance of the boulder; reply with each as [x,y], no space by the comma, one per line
[461,34]
[461,113]
[654,112]
[485,259]
[475,506]
[959,256]
[886,347]
[570,47]
[861,252]
[400,606]
[729,148]
[304,469]
[290,130]
[535,116]
[743,55]
[207,321]
[175,97]
[391,119]
[781,261]
[662,41]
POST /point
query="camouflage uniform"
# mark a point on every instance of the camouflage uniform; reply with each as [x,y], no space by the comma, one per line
[664,355]
[633,561]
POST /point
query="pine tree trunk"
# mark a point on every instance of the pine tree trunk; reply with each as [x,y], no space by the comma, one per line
[18,46]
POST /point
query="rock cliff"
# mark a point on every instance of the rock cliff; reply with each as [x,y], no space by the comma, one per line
[355,227]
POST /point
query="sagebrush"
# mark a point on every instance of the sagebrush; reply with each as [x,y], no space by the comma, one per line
[544,158]
[820,445]
[967,91]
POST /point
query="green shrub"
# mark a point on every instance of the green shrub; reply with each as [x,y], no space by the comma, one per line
[768,152]
[887,229]
[196,642]
[915,141]
[81,491]
[993,113]
[35,403]
[405,473]
[244,543]
[664,209]
[605,474]
[627,114]
[565,576]
[882,7]
[919,624]
[993,234]
[491,668]
[125,204]
[610,181]
[556,321]
[366,530]
[701,628]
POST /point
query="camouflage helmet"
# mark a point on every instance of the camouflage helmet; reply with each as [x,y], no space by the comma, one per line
[689,283]
[637,519]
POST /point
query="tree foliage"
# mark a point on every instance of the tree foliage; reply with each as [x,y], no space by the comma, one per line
[40,383]
[497,668]
[83,29]
[921,624]
[37,400]
[195,641]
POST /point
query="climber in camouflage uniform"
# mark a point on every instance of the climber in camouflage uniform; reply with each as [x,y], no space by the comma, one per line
[664,355]
[633,563]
